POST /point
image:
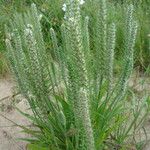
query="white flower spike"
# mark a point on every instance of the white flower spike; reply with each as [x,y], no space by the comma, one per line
[64,7]
[82,2]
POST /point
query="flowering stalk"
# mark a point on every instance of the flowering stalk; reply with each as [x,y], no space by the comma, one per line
[110,55]
[130,37]
[77,69]
[100,43]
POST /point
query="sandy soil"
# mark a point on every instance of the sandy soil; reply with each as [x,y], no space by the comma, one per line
[9,133]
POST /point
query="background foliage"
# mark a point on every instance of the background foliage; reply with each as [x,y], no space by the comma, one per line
[53,15]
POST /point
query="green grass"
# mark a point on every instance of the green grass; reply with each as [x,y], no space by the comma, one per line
[53,15]
[76,102]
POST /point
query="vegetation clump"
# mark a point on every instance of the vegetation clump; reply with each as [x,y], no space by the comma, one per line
[76,101]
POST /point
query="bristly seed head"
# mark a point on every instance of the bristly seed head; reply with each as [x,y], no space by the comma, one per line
[64,8]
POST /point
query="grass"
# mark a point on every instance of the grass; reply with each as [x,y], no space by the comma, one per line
[53,17]
[76,101]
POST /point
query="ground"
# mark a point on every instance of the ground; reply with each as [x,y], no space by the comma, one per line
[9,133]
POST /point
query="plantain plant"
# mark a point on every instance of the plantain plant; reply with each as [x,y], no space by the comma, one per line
[76,102]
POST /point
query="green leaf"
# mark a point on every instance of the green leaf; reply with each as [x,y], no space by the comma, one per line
[35,147]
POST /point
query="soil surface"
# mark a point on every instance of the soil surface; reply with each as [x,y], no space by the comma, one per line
[10,134]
